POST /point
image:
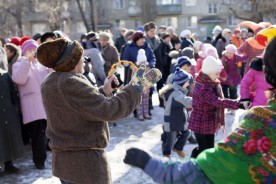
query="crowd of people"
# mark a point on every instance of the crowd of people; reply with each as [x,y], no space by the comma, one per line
[43,75]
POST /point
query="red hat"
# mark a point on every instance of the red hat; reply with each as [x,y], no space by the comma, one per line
[237,31]
[15,40]
[137,35]
[23,39]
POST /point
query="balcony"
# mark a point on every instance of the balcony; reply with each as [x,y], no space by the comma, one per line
[169,9]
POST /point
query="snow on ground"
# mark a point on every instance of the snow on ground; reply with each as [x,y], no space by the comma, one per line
[129,132]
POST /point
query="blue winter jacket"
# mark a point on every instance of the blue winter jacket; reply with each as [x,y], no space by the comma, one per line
[131,52]
[176,102]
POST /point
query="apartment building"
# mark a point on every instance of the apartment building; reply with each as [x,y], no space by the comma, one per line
[199,16]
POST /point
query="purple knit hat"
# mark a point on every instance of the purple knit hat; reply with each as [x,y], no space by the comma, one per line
[27,45]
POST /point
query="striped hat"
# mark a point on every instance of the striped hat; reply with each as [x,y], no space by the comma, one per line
[184,60]
[181,77]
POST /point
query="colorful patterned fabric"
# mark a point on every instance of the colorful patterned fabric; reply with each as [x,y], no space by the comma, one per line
[248,154]
[144,80]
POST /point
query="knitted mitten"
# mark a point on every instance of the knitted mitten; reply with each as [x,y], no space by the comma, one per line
[143,80]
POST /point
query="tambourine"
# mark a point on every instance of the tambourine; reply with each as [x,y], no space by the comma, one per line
[118,69]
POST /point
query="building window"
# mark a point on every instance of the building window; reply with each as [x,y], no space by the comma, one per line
[192,22]
[232,21]
[191,2]
[132,3]
[230,1]
[118,4]
[164,2]
[213,8]
[169,21]
[122,23]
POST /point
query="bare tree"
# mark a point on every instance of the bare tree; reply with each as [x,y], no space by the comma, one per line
[93,14]
[15,8]
[148,10]
[7,27]
[82,15]
[54,11]
[254,10]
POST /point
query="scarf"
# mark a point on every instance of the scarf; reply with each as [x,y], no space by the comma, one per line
[153,43]
[205,80]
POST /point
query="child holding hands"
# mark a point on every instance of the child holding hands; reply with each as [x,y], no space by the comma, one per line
[176,117]
[230,62]
[208,105]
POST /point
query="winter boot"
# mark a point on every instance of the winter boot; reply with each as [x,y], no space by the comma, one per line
[140,117]
[179,153]
[195,152]
[10,168]
[147,116]
[192,140]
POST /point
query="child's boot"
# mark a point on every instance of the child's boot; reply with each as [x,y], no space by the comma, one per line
[147,116]
[179,152]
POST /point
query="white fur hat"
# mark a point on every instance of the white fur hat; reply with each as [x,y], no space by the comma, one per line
[217,28]
[225,31]
[211,65]
[184,33]
[141,57]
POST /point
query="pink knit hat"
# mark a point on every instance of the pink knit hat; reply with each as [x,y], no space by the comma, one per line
[27,45]
[231,48]
[202,52]
[212,51]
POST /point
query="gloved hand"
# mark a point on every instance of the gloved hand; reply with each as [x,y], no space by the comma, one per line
[144,80]
[31,55]
[137,157]
[244,103]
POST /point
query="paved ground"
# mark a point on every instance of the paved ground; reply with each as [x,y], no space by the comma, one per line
[128,133]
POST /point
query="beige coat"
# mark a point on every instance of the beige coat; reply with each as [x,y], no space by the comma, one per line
[111,56]
[77,128]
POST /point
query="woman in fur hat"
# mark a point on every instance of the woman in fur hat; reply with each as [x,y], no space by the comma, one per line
[78,112]
[13,53]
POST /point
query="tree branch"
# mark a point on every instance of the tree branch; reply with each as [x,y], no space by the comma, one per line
[236,14]
[83,16]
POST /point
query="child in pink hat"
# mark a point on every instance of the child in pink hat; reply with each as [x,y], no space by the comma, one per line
[202,55]
[230,59]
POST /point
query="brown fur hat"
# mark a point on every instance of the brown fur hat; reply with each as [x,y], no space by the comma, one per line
[60,54]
